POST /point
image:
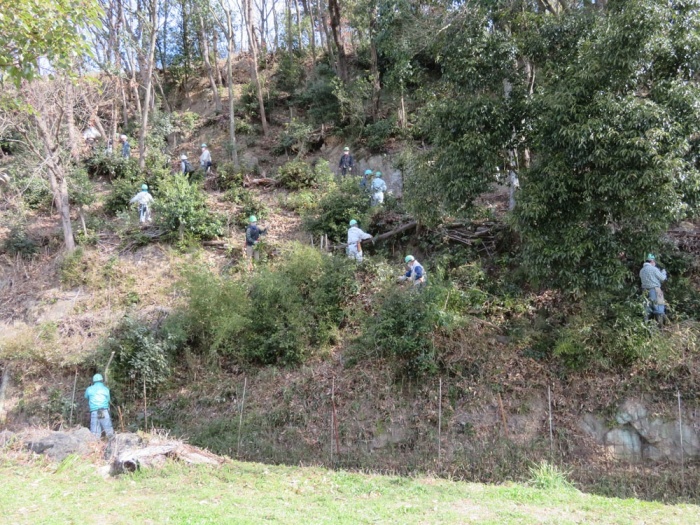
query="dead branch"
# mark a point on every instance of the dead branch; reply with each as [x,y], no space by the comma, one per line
[266,182]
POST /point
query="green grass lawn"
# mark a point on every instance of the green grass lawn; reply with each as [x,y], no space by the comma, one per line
[74,492]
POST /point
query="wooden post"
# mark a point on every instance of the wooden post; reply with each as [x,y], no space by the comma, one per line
[680,435]
[109,362]
[72,402]
[240,418]
[503,414]
[440,421]
[551,429]
[145,406]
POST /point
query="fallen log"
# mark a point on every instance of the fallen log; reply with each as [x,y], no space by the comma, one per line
[155,456]
[383,236]
[262,181]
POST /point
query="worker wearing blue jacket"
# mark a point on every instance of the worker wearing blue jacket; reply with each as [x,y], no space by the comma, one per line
[97,395]
[415,273]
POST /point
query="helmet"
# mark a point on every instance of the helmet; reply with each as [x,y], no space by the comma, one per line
[651,257]
[409,258]
[252,218]
[378,174]
[204,145]
[144,187]
[346,148]
[97,377]
[183,157]
[353,222]
[123,137]
[368,172]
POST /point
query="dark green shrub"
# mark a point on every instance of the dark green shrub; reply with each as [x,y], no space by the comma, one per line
[112,167]
[181,209]
[319,97]
[294,139]
[282,315]
[336,208]
[119,196]
[299,305]
[34,189]
[249,101]
[402,326]
[303,201]
[376,135]
[217,313]
[296,175]
[248,205]
[140,356]
[228,176]
[243,127]
[290,72]
[81,190]
[18,242]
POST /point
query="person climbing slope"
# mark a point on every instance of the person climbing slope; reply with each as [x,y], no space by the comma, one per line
[205,159]
[126,147]
[144,200]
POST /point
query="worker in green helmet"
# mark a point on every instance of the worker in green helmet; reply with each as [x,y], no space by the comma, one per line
[347,163]
[252,238]
[365,181]
[97,395]
[378,188]
[415,273]
[144,200]
[355,238]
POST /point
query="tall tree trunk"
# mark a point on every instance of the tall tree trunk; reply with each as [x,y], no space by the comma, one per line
[326,31]
[275,25]
[4,387]
[69,104]
[247,14]
[336,27]
[290,38]
[148,78]
[229,79]
[215,56]
[185,47]
[296,9]
[376,84]
[308,11]
[207,65]
[57,180]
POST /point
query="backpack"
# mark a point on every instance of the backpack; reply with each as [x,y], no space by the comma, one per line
[188,167]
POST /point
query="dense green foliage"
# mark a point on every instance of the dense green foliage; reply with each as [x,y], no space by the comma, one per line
[112,167]
[402,329]
[181,209]
[340,203]
[297,175]
[281,315]
[32,30]
[142,356]
[611,127]
[593,108]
